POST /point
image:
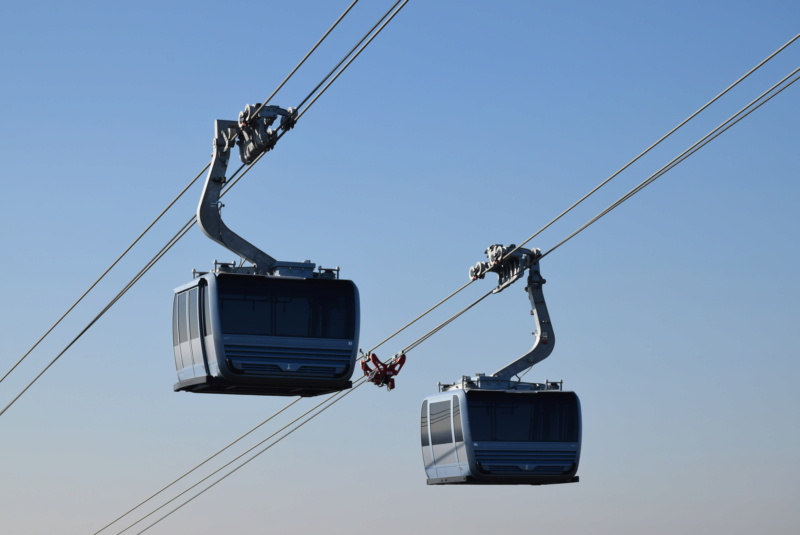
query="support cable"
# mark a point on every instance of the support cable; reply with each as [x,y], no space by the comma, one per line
[412,322]
[651,147]
[101,313]
[308,54]
[325,404]
[129,511]
[180,234]
[382,22]
[702,142]
[447,322]
[109,268]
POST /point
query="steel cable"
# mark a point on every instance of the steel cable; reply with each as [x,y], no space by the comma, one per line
[702,142]
[325,404]
[651,147]
[152,262]
[225,448]
[308,54]
[114,263]
[412,322]
[382,22]
[447,322]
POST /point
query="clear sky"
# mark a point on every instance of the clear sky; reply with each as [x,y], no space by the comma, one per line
[464,124]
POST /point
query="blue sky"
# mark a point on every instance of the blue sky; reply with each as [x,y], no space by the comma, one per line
[464,124]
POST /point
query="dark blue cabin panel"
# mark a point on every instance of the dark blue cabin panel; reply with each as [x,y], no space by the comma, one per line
[254,334]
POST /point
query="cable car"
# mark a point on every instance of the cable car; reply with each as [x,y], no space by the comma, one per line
[495,429]
[527,434]
[271,328]
[251,334]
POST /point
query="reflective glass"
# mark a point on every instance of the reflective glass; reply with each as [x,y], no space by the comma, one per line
[523,417]
[272,307]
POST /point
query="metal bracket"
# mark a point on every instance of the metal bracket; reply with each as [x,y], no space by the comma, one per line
[481,381]
[208,211]
[255,136]
[544,337]
[510,267]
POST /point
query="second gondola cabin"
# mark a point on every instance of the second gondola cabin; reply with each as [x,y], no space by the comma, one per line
[496,429]
[524,434]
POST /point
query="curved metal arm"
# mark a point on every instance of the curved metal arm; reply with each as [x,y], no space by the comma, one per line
[545,337]
[510,263]
[208,211]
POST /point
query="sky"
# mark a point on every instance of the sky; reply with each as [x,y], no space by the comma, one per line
[462,125]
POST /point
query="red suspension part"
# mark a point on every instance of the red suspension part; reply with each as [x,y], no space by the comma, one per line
[382,374]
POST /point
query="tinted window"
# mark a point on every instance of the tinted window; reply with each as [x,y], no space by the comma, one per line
[423,426]
[459,435]
[175,339]
[292,315]
[183,332]
[440,423]
[194,320]
[518,417]
[273,307]
[206,310]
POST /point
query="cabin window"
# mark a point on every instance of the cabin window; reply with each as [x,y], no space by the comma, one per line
[206,310]
[292,315]
[423,426]
[457,431]
[246,314]
[183,331]
[441,432]
[535,417]
[175,338]
[264,306]
[194,321]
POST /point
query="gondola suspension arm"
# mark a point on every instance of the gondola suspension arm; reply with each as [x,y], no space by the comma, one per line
[510,263]
[253,135]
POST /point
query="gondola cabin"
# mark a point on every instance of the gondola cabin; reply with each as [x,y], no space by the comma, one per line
[525,433]
[265,335]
